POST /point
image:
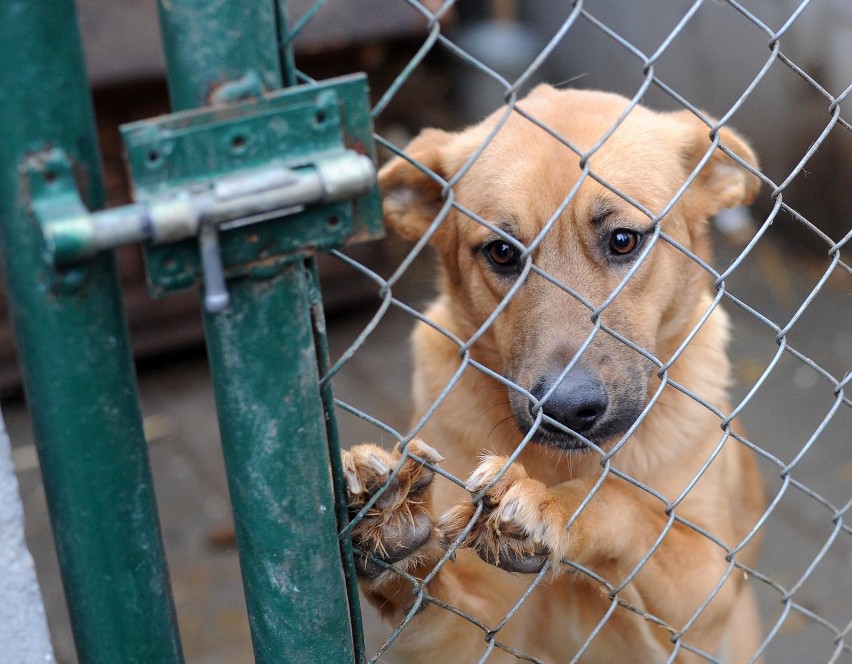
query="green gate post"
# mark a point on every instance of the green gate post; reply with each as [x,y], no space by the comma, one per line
[265,371]
[75,357]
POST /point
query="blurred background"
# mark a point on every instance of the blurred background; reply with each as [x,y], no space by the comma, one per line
[791,273]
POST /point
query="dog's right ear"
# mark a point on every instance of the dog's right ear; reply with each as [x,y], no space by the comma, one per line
[722,183]
[411,195]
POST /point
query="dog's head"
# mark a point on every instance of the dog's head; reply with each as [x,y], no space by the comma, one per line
[581,250]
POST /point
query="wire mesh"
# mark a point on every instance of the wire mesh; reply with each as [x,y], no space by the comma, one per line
[802,579]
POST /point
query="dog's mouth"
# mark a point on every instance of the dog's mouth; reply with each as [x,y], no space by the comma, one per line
[551,435]
[561,437]
[580,415]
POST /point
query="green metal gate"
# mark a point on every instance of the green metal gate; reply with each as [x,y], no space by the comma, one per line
[236,196]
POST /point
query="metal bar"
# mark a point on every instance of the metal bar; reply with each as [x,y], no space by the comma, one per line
[176,216]
[265,374]
[211,54]
[216,296]
[285,44]
[333,433]
[288,67]
[265,371]
[75,357]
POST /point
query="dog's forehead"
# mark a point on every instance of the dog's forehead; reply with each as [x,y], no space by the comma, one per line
[579,117]
[532,165]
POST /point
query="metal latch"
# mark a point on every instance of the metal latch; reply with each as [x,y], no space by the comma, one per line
[204,210]
[300,160]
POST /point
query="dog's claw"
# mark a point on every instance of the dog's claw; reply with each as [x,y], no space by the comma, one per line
[378,465]
[517,529]
[426,451]
[350,475]
[398,523]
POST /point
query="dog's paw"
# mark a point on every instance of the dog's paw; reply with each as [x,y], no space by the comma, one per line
[521,525]
[399,523]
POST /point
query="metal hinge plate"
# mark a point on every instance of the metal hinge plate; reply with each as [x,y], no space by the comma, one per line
[290,128]
[300,161]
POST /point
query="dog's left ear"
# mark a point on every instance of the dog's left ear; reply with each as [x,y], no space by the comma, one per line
[411,196]
[722,183]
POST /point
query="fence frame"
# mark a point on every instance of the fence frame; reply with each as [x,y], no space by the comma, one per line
[75,356]
[267,352]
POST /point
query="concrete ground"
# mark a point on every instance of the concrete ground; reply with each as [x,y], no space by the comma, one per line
[781,417]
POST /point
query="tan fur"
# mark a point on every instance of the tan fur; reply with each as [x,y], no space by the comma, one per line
[517,183]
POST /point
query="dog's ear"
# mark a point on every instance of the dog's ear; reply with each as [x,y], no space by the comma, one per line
[722,183]
[411,196]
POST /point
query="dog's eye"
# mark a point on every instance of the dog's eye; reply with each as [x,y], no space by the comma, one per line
[623,242]
[502,255]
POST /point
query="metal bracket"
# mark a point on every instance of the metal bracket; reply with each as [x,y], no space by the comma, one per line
[300,161]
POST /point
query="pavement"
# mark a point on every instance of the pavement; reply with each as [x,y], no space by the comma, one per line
[791,403]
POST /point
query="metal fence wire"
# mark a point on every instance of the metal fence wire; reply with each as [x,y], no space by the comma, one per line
[803,578]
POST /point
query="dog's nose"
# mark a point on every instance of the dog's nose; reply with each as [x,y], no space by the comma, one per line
[578,402]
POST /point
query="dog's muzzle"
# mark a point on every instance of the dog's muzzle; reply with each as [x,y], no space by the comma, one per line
[579,406]
[579,402]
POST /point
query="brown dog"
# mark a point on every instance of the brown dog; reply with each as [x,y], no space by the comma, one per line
[646,560]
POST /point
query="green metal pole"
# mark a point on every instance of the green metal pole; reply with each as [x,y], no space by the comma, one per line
[273,432]
[218,52]
[265,371]
[321,341]
[75,357]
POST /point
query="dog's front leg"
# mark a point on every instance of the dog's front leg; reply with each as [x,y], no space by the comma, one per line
[523,524]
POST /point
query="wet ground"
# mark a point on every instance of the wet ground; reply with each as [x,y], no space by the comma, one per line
[793,401]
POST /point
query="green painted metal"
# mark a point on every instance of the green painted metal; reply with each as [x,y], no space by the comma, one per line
[55,196]
[279,440]
[217,52]
[340,499]
[74,352]
[290,127]
[273,433]
[286,56]
[368,215]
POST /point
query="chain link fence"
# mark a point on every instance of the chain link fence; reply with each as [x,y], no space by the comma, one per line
[783,275]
